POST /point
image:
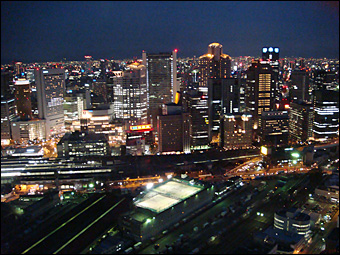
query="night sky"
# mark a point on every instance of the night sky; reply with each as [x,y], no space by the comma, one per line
[51,31]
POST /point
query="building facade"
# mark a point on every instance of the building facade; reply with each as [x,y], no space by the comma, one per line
[161,80]
[50,85]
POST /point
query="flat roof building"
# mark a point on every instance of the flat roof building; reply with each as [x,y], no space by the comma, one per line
[159,208]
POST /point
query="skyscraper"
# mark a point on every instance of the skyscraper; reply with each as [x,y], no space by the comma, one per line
[214,65]
[50,96]
[161,80]
[260,90]
[223,98]
[130,95]
[23,99]
[8,109]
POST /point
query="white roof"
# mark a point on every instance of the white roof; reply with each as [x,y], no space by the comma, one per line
[166,195]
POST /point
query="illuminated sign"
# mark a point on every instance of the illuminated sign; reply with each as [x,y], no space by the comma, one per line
[276,50]
[270,49]
[140,127]
[264,150]
[264,50]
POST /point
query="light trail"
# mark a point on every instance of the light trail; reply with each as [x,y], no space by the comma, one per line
[64,224]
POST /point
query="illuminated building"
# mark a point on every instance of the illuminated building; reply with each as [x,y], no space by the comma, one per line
[74,104]
[50,85]
[275,126]
[198,109]
[213,65]
[83,144]
[88,64]
[271,53]
[300,122]
[173,129]
[292,221]
[237,131]
[299,86]
[28,130]
[130,95]
[260,90]
[223,98]
[23,99]
[136,138]
[162,206]
[102,121]
[100,92]
[161,80]
[326,113]
[8,109]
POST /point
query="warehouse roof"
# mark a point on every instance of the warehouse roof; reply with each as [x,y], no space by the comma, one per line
[167,194]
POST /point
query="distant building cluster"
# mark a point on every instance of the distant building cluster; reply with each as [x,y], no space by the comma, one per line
[184,104]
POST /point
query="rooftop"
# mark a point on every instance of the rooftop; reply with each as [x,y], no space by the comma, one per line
[166,195]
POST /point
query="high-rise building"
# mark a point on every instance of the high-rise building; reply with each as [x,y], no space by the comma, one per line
[23,99]
[88,64]
[326,113]
[299,86]
[161,80]
[8,108]
[223,98]
[99,92]
[130,95]
[50,85]
[260,90]
[213,65]
[275,125]
[237,131]
[300,122]
[173,129]
[271,53]
[198,109]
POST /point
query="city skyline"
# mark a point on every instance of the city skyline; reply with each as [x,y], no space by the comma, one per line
[118,30]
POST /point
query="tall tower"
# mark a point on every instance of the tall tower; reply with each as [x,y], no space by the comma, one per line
[214,64]
[50,96]
[23,99]
[161,80]
[130,95]
[260,90]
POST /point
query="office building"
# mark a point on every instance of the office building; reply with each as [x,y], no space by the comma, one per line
[237,131]
[23,99]
[300,122]
[213,65]
[130,95]
[292,221]
[100,92]
[174,129]
[88,64]
[299,86]
[223,98]
[8,108]
[260,91]
[161,80]
[8,114]
[198,108]
[101,121]
[83,144]
[275,125]
[28,130]
[326,113]
[50,85]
